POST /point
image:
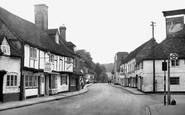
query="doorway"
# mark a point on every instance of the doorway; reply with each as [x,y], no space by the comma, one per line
[2,73]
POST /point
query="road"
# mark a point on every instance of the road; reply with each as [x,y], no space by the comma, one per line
[102,99]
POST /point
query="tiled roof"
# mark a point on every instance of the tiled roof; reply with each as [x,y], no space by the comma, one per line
[30,34]
[167,46]
[134,53]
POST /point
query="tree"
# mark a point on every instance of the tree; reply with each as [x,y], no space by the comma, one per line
[86,56]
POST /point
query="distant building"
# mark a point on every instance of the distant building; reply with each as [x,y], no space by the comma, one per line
[119,57]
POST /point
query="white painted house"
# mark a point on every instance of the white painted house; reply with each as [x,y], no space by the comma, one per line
[10,71]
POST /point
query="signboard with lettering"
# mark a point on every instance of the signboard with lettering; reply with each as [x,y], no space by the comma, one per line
[47,67]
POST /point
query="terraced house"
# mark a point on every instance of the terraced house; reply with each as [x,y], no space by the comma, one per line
[131,64]
[39,61]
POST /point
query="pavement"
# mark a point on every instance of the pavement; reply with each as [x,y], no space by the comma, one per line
[161,109]
[32,101]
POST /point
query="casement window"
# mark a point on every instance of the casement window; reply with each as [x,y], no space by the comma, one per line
[63,79]
[11,80]
[51,58]
[33,53]
[5,49]
[174,63]
[174,80]
[31,81]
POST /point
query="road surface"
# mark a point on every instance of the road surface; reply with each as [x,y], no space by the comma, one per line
[102,99]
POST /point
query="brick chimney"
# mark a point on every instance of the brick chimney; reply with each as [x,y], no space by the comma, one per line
[41,16]
[63,32]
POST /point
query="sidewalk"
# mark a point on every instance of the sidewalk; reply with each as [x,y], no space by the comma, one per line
[161,109]
[28,102]
[134,91]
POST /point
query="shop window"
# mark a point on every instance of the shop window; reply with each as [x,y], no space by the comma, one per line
[63,79]
[11,80]
[53,83]
[31,81]
[174,81]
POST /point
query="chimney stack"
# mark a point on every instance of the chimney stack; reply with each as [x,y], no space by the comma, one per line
[41,16]
[63,32]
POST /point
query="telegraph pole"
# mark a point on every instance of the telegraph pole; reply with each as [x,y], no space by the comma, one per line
[154,85]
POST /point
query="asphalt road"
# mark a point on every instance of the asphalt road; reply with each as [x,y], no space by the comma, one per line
[102,99]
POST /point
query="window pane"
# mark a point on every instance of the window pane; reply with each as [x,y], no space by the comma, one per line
[11,80]
[30,80]
[8,80]
[26,81]
[15,81]
[177,62]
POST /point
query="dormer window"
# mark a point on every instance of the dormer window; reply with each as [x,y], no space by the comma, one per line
[5,49]
[57,39]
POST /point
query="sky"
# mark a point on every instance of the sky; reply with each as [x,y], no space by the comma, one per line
[102,27]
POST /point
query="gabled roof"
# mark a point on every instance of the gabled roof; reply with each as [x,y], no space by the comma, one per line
[167,46]
[30,34]
[134,53]
[13,50]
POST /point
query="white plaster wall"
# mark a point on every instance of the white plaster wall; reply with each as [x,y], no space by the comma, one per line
[178,71]
[26,55]
[10,65]
[41,59]
[31,92]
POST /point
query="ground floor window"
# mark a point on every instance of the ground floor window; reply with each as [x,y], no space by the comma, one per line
[73,82]
[11,79]
[174,81]
[31,81]
[63,79]
[52,82]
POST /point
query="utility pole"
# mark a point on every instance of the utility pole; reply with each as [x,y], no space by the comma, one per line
[154,83]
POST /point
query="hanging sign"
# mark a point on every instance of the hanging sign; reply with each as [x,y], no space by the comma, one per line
[47,67]
[175,26]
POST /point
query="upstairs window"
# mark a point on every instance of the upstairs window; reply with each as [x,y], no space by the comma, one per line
[33,53]
[5,49]
[174,63]
[51,58]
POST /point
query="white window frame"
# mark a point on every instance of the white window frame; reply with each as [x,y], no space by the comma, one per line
[31,81]
[5,49]
[12,81]
[175,63]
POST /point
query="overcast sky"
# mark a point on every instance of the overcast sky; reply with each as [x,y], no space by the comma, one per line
[102,27]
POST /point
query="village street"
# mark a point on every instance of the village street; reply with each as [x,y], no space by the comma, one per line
[101,99]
